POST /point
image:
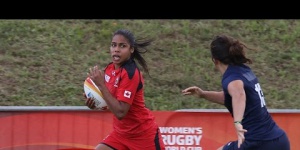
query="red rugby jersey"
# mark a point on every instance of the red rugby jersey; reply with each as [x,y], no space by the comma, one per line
[126,84]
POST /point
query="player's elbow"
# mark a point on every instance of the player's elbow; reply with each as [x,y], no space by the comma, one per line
[121,111]
[120,115]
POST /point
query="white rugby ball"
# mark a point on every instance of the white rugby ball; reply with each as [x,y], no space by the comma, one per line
[91,90]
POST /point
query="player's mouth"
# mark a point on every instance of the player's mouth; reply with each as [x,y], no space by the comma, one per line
[116,57]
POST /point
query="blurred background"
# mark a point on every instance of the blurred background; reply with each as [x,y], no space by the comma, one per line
[44,62]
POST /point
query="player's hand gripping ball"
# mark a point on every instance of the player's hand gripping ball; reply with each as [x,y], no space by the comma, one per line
[92,91]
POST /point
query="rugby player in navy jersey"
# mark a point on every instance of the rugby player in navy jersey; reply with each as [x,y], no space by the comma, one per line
[122,86]
[243,97]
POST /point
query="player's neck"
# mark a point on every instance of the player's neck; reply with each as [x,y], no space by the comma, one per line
[222,68]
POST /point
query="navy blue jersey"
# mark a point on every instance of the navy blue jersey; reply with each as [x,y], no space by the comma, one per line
[256,119]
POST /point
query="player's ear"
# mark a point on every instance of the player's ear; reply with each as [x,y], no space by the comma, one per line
[213,60]
[132,50]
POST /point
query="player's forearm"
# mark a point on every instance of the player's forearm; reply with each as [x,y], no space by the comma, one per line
[238,105]
[214,96]
[112,103]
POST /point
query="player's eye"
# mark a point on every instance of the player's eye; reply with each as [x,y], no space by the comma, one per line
[113,44]
[123,45]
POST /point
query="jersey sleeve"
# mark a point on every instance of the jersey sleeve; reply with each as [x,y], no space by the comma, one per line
[128,86]
[230,79]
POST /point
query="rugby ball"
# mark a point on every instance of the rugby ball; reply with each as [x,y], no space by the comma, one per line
[91,90]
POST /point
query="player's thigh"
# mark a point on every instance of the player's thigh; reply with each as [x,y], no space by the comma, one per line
[220,148]
[246,145]
[103,147]
[232,145]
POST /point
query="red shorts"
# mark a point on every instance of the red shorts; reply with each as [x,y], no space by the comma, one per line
[151,140]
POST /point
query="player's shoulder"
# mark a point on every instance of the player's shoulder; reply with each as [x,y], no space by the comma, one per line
[109,66]
[130,68]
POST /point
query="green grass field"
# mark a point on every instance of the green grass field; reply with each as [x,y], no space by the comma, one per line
[44,62]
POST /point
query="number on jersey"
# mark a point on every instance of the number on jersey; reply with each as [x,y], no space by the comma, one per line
[261,95]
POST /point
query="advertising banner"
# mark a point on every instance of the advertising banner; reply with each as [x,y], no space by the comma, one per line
[70,129]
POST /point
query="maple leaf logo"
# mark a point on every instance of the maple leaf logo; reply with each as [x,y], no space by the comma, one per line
[127,94]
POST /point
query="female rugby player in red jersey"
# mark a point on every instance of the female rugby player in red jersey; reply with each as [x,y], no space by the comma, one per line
[122,86]
[243,97]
